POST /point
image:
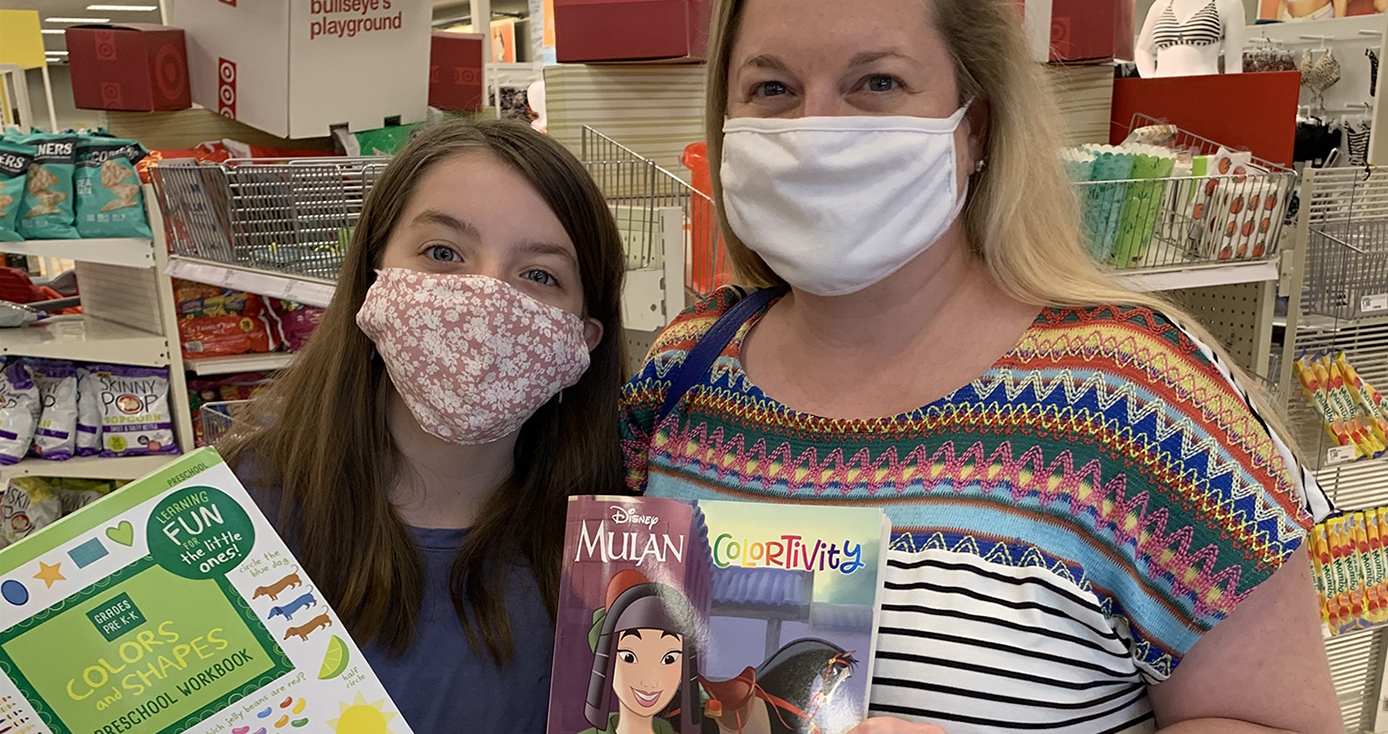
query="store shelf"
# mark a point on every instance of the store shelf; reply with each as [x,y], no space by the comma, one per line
[132,253]
[1201,277]
[90,467]
[240,363]
[87,339]
[308,291]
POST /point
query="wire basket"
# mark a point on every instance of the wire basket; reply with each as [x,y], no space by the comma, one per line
[636,188]
[1348,269]
[218,418]
[1179,222]
[290,216]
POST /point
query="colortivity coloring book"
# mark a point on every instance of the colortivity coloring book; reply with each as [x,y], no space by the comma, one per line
[715,617]
[172,606]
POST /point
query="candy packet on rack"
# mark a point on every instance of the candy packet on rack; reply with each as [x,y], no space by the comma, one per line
[109,200]
[15,160]
[47,212]
[136,419]
[19,411]
[55,437]
[89,413]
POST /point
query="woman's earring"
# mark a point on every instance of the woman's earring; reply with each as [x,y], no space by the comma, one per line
[982,163]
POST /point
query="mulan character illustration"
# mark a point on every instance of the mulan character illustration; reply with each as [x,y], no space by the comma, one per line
[644,644]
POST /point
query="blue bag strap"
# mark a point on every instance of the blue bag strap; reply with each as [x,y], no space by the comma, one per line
[705,352]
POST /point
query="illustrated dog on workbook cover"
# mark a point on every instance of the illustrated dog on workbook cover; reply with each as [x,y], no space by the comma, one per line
[710,617]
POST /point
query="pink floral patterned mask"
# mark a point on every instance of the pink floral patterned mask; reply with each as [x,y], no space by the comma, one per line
[472,356]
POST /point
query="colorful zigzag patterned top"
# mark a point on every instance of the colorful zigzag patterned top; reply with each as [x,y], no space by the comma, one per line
[1065,527]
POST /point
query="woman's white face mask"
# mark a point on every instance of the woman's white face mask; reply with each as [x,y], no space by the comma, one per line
[837,204]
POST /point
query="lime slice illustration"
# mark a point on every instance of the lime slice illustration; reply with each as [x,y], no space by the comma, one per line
[335,660]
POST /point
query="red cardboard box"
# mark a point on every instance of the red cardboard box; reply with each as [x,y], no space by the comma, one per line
[135,67]
[455,71]
[1082,30]
[631,30]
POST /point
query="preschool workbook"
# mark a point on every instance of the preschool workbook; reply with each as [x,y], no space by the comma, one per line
[172,606]
[712,617]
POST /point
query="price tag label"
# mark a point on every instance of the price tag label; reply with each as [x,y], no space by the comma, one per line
[1340,455]
[1374,304]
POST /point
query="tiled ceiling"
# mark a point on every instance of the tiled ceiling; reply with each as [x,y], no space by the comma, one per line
[53,42]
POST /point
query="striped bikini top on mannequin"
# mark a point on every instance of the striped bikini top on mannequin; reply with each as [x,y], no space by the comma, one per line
[1203,29]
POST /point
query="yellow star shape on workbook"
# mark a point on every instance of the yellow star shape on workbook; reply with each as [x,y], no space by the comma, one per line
[49,575]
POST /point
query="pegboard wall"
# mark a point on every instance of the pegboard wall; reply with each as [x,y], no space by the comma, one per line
[638,344]
[1239,317]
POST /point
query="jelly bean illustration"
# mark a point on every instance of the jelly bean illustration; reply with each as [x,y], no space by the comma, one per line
[241,730]
[261,730]
[285,703]
[298,722]
[264,713]
[282,721]
[299,707]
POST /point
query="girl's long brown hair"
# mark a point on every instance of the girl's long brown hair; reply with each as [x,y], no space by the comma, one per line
[321,433]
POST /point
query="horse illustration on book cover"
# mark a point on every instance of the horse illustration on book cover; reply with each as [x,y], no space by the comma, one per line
[715,617]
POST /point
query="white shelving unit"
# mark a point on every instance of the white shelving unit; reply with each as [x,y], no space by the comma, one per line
[91,467]
[129,317]
[308,291]
[1234,273]
[213,366]
[127,252]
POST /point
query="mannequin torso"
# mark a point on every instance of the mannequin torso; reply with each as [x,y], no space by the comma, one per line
[1187,38]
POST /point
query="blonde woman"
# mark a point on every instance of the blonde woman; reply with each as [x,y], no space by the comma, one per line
[1096,529]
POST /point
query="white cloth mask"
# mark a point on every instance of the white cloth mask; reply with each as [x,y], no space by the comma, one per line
[471,356]
[836,204]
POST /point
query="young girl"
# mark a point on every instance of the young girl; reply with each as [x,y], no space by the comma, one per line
[418,454]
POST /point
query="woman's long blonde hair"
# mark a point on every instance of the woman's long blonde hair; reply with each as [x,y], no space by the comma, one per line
[1022,217]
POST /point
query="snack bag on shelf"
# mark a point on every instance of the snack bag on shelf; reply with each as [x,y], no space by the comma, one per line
[203,153]
[1373,564]
[29,504]
[136,419]
[1142,204]
[217,322]
[1103,205]
[109,200]
[295,322]
[47,213]
[1316,394]
[19,411]
[1359,536]
[55,437]
[1218,203]
[1356,424]
[15,160]
[89,413]
[1349,596]
[1368,400]
[1323,577]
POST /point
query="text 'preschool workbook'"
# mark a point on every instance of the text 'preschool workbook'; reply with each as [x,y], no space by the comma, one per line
[172,606]
[710,617]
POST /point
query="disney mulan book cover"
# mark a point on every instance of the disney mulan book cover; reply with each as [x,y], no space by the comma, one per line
[710,617]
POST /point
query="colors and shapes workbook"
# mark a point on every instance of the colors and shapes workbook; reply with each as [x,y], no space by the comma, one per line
[172,606]
[710,617]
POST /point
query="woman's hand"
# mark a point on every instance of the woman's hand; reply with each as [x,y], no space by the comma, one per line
[888,725]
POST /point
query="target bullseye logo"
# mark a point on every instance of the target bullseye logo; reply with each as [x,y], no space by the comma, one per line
[170,73]
[105,45]
[226,88]
[111,96]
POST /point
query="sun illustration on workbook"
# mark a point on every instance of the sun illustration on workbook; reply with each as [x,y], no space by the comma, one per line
[361,717]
